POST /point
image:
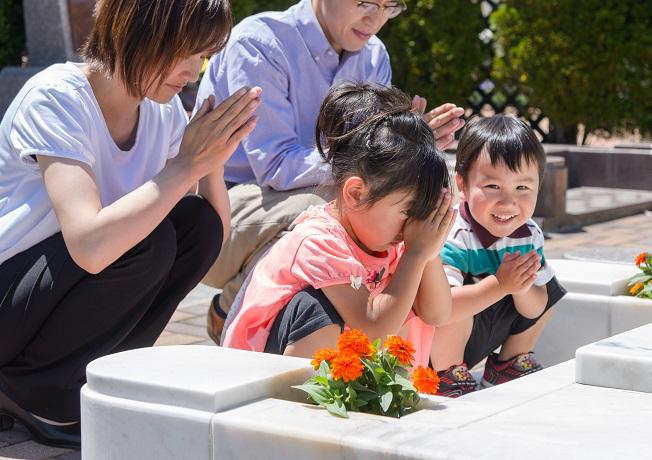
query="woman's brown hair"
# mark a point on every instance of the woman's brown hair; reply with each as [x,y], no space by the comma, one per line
[141,39]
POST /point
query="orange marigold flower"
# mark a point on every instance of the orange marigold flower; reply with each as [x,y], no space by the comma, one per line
[641,258]
[325,354]
[346,366]
[355,341]
[425,380]
[400,348]
[636,288]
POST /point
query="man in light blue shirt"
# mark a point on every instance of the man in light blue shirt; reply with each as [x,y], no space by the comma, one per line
[295,56]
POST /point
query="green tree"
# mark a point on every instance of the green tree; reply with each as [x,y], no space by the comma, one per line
[12,32]
[584,61]
[244,8]
[435,49]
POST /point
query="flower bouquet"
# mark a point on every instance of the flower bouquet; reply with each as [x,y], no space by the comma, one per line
[640,284]
[364,377]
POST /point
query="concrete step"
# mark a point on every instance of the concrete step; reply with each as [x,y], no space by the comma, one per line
[590,205]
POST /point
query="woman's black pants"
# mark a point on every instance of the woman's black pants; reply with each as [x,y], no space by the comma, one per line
[55,318]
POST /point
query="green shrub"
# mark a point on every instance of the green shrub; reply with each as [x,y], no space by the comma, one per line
[435,49]
[12,32]
[434,45]
[585,61]
[244,8]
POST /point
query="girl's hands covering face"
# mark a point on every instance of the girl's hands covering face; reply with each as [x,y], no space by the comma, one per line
[428,236]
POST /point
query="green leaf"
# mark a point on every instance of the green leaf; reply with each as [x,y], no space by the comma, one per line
[405,384]
[386,400]
[352,393]
[357,386]
[338,386]
[319,394]
[641,278]
[359,403]
[646,289]
[370,365]
[376,344]
[367,396]
[402,371]
[337,408]
[324,369]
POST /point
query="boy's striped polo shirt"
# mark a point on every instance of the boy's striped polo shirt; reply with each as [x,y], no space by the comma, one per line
[472,252]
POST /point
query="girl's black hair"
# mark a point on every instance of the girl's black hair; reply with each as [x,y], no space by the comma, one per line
[506,139]
[372,132]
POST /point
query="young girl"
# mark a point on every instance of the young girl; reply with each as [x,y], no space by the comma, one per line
[98,242]
[369,259]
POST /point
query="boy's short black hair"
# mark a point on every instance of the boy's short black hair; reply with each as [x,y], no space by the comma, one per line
[506,139]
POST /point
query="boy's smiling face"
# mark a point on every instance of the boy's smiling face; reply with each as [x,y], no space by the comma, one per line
[501,200]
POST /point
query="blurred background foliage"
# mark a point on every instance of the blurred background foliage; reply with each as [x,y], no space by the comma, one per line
[12,32]
[435,49]
[582,61]
[575,62]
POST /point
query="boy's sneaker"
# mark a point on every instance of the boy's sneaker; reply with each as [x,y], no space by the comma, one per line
[496,372]
[456,381]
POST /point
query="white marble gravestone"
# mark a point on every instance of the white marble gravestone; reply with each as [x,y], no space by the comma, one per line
[622,361]
[195,402]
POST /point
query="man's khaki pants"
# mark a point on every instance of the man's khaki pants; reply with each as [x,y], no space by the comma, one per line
[259,217]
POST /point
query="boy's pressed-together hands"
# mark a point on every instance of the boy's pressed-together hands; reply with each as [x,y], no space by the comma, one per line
[516,276]
[517,272]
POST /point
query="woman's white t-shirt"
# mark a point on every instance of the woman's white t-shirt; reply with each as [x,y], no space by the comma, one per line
[56,114]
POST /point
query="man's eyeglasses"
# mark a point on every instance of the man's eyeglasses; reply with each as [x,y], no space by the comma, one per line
[391,11]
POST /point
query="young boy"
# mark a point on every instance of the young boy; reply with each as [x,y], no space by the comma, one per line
[501,286]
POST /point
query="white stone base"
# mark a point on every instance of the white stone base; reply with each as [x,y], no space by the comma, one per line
[594,308]
[194,402]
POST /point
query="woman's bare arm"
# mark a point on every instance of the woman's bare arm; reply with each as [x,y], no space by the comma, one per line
[96,236]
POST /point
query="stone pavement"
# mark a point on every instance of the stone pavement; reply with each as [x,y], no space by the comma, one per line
[188,325]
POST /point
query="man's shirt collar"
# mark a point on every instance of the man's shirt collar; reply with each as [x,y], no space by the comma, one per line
[312,33]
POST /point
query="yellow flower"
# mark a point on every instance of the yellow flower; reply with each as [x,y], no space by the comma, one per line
[400,348]
[355,341]
[636,288]
[325,354]
[346,366]
[425,380]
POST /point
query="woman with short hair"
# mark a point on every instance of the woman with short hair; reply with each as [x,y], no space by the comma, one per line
[99,238]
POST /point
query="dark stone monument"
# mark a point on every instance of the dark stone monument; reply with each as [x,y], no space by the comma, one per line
[551,201]
[55,30]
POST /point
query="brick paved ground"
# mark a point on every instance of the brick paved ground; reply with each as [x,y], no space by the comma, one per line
[188,325]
